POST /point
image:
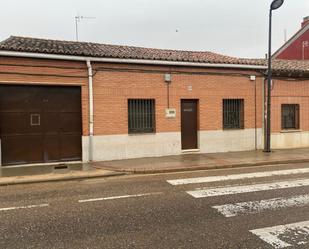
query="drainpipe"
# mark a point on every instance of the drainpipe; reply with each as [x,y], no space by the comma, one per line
[255,118]
[90,88]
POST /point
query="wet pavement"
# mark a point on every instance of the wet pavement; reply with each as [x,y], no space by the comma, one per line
[147,211]
[185,162]
[45,173]
[40,169]
[188,162]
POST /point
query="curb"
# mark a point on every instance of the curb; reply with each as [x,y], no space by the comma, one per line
[204,167]
[59,178]
[121,172]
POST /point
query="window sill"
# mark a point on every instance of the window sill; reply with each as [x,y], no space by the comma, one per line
[290,131]
[233,129]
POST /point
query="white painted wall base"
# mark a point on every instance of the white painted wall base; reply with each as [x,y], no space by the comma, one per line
[85,148]
[285,140]
[114,147]
[230,140]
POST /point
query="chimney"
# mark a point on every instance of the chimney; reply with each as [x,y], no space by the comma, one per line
[305,21]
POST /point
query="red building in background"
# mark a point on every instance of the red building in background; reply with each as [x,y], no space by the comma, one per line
[296,48]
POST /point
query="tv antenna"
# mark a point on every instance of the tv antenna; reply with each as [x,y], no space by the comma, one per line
[78,19]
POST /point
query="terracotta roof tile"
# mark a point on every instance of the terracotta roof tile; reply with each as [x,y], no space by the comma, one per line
[46,46]
[292,66]
[35,45]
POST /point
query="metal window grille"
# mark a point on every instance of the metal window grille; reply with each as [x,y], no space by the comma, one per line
[290,116]
[233,114]
[141,115]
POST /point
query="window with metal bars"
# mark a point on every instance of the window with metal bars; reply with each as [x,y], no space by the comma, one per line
[289,116]
[141,115]
[233,114]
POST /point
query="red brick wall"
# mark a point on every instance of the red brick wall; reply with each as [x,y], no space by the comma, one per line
[112,89]
[290,92]
[47,72]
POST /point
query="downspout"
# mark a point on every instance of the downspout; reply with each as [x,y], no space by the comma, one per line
[255,118]
[90,89]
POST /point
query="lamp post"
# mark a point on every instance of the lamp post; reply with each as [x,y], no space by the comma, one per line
[276,4]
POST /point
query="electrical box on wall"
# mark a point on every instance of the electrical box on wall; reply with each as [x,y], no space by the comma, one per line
[170,113]
[252,77]
[168,78]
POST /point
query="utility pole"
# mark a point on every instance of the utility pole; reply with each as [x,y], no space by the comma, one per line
[78,18]
[276,4]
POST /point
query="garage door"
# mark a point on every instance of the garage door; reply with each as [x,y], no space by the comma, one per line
[40,124]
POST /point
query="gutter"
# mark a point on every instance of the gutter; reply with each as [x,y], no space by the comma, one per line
[128,61]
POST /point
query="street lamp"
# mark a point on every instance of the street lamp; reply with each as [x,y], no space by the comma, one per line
[276,4]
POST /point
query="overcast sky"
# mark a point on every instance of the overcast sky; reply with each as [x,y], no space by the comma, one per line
[232,27]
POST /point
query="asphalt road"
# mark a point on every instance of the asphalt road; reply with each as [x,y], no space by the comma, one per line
[267,210]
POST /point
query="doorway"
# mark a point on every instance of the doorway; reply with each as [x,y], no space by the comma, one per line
[189,124]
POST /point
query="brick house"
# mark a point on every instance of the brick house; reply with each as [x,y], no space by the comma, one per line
[72,101]
[297,47]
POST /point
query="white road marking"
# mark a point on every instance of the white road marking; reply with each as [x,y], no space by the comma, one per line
[237,176]
[118,197]
[230,190]
[24,207]
[253,207]
[285,235]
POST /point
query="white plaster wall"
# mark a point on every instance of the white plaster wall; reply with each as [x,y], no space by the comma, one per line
[286,140]
[85,148]
[229,140]
[113,147]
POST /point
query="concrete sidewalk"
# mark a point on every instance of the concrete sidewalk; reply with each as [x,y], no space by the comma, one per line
[22,175]
[185,162]
[188,162]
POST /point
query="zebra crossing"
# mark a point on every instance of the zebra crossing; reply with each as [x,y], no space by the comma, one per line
[254,207]
[200,193]
[279,236]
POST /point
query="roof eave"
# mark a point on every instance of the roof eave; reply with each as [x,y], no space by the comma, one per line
[129,61]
